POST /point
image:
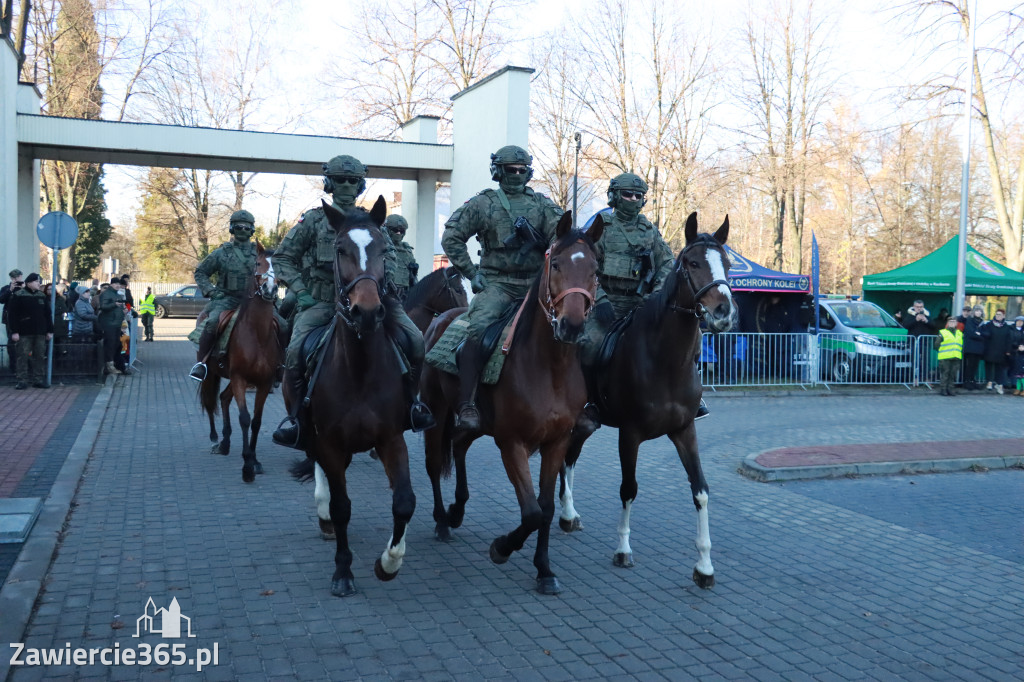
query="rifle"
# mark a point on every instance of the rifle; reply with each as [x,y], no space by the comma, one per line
[526,235]
[644,269]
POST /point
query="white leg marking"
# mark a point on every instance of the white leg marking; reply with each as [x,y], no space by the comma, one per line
[391,559]
[322,494]
[624,530]
[703,537]
[568,510]
[361,238]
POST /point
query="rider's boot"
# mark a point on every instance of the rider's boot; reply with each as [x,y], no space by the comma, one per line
[420,417]
[702,410]
[206,341]
[288,431]
[588,421]
[470,366]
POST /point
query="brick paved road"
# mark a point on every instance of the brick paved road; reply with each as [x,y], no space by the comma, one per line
[827,580]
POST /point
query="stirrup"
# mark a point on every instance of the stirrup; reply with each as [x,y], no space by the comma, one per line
[283,436]
[420,417]
[702,411]
[198,372]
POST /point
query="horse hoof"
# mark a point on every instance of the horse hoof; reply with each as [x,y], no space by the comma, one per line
[442,533]
[496,556]
[343,587]
[623,560]
[548,585]
[382,575]
[568,526]
[257,467]
[455,516]
[704,582]
[327,530]
[248,475]
[215,449]
[222,450]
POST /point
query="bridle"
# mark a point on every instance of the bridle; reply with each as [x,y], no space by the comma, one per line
[449,289]
[698,310]
[260,279]
[344,304]
[547,303]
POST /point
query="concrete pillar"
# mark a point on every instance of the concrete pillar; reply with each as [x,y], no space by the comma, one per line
[486,116]
[29,189]
[10,254]
[418,196]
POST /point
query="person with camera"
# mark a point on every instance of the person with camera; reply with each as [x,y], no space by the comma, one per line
[8,290]
[514,225]
[31,327]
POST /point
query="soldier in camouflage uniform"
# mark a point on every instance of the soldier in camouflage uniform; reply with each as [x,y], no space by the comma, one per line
[515,226]
[403,269]
[305,262]
[233,263]
[633,262]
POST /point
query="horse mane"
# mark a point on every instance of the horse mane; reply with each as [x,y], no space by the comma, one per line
[525,326]
[420,292]
[653,308]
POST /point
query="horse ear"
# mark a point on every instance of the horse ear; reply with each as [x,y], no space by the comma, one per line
[564,225]
[596,229]
[335,217]
[691,227]
[379,211]
[722,233]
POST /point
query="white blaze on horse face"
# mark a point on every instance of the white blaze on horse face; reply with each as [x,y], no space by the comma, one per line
[703,566]
[578,255]
[269,279]
[362,238]
[718,271]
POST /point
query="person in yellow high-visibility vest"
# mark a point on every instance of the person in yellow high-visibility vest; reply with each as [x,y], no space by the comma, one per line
[950,344]
[147,309]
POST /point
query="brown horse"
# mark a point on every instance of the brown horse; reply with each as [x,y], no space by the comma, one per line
[357,401]
[534,404]
[253,356]
[438,292]
[651,387]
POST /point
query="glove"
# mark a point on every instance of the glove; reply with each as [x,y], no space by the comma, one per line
[478,283]
[217,294]
[305,300]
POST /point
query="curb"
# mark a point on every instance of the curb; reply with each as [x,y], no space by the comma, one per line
[27,576]
[751,469]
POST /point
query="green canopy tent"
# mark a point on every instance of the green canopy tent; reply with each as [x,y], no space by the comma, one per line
[933,280]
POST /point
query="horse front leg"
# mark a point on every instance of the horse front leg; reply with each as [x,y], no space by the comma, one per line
[238,386]
[552,460]
[569,520]
[457,510]
[629,446]
[224,447]
[322,497]
[334,466]
[394,455]
[515,457]
[257,421]
[685,441]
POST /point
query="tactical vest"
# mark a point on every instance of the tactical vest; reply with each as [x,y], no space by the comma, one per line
[502,249]
[237,267]
[952,345]
[628,252]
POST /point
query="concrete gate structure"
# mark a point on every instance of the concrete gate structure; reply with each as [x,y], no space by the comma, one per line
[487,115]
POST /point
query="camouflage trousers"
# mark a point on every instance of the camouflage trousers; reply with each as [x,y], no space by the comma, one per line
[214,308]
[487,306]
[32,353]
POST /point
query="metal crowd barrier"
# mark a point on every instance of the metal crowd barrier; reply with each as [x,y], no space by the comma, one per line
[734,359]
[71,360]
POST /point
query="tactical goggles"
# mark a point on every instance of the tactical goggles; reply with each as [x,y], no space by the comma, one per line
[398,230]
[345,179]
[246,226]
[517,170]
[630,195]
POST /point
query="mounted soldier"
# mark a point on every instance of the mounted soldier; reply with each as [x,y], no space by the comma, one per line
[514,226]
[305,261]
[403,269]
[233,264]
[633,262]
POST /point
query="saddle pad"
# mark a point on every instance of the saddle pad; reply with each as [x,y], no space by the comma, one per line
[224,329]
[442,355]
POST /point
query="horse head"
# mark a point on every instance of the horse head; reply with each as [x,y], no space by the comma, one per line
[266,280]
[359,265]
[703,264]
[570,267]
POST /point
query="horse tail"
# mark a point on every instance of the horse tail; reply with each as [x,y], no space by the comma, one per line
[209,389]
[302,470]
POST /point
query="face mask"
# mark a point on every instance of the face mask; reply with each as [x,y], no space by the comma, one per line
[627,210]
[512,183]
[345,194]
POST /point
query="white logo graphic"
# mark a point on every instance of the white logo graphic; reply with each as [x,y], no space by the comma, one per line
[163,622]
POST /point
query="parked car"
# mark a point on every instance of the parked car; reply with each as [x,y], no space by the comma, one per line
[858,341]
[186,301]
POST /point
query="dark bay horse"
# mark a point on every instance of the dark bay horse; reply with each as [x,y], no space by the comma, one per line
[358,401]
[534,404]
[253,355]
[651,387]
[438,292]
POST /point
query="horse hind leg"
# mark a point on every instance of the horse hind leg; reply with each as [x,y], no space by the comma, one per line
[435,442]
[685,441]
[224,447]
[322,497]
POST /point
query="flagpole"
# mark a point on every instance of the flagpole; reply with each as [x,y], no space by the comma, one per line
[965,171]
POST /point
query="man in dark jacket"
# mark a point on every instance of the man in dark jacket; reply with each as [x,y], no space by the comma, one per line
[997,351]
[974,346]
[31,327]
[8,290]
[111,315]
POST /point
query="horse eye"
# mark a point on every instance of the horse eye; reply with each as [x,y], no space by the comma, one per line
[554,265]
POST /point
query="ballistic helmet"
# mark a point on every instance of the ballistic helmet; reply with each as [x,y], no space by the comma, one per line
[343,166]
[508,155]
[629,182]
[395,221]
[242,216]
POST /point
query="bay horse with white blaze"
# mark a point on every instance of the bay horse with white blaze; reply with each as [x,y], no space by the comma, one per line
[254,353]
[651,387]
[358,401]
[532,406]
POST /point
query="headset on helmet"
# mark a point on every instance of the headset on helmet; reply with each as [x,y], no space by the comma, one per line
[343,165]
[626,181]
[507,155]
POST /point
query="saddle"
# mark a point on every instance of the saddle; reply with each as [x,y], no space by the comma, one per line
[593,374]
[443,354]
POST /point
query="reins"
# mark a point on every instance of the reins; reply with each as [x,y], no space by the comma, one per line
[698,310]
